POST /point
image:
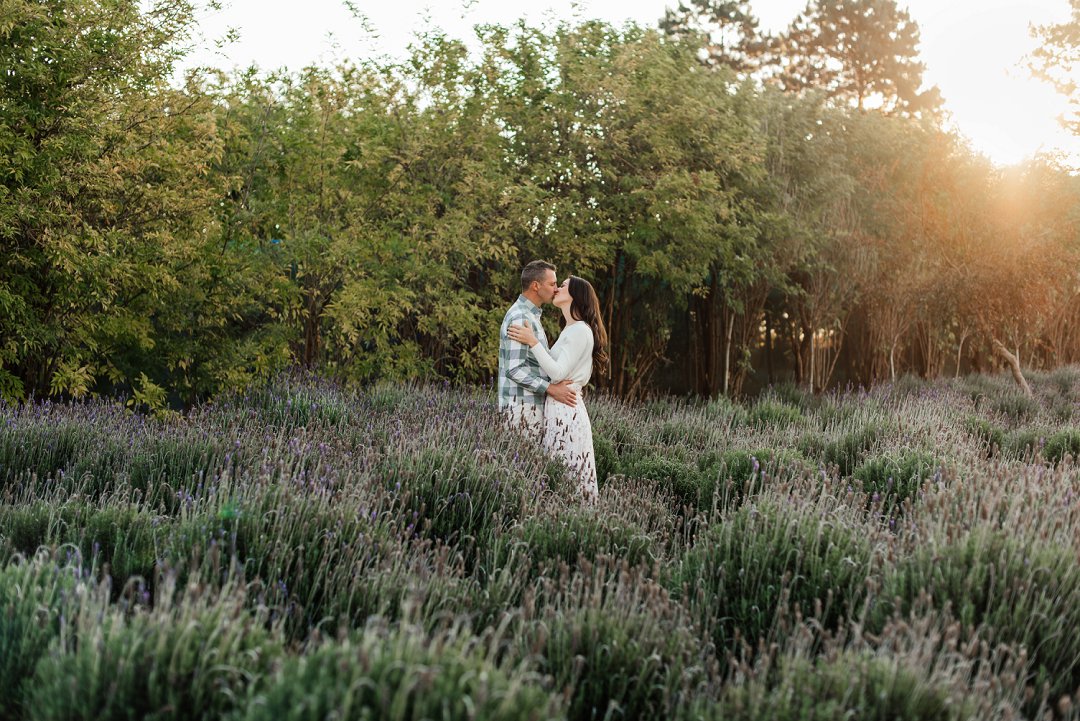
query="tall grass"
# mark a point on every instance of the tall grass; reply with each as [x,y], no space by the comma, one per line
[910,550]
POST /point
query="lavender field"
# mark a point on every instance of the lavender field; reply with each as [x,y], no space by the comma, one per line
[308,552]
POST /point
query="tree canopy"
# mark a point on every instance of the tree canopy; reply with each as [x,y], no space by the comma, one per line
[170,240]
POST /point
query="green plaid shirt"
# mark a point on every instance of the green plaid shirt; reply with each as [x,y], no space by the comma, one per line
[520,377]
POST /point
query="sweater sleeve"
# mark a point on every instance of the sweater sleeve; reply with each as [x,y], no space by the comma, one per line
[572,348]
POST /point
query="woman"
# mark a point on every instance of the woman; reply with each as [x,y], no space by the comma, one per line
[581,348]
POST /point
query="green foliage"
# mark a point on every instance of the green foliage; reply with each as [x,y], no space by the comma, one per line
[766,414]
[796,396]
[990,436]
[189,662]
[634,662]
[854,685]
[451,495]
[399,675]
[1025,443]
[607,460]
[71,449]
[200,563]
[35,592]
[892,480]
[113,274]
[990,579]
[682,479]
[848,451]
[743,572]
[582,533]
[171,239]
[1014,405]
[1062,443]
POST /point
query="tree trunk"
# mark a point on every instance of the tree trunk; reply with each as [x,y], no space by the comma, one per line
[727,350]
[768,347]
[1014,365]
[959,352]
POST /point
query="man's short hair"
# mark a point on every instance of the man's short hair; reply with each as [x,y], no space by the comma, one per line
[534,272]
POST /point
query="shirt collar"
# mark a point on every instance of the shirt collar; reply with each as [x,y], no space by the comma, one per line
[535,310]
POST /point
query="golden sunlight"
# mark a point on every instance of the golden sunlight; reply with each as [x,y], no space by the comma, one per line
[976,53]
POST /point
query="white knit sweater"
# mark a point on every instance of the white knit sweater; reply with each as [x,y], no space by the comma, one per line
[570,357]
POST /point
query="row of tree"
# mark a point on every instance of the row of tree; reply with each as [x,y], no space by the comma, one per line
[370,220]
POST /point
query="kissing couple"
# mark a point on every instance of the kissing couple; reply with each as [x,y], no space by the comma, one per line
[540,387]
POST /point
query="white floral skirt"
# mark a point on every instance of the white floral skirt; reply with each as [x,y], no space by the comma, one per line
[568,435]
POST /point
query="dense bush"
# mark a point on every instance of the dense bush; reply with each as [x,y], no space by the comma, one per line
[192,660]
[996,583]
[847,451]
[990,436]
[618,643]
[35,594]
[892,480]
[763,560]
[852,686]
[400,675]
[774,414]
[1061,444]
[582,533]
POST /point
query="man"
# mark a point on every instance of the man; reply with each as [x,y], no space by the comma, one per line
[523,387]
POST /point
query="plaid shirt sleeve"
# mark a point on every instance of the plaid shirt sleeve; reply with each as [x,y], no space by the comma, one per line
[520,367]
[520,377]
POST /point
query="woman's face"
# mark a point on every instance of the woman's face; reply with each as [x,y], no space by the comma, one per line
[562,297]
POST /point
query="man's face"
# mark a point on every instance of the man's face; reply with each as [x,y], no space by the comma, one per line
[547,287]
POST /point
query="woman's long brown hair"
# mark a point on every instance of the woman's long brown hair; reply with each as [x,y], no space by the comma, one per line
[585,306]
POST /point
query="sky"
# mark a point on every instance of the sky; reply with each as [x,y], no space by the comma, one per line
[974,49]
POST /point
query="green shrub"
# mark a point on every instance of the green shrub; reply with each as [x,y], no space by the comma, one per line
[24,528]
[847,451]
[619,662]
[76,448]
[456,494]
[774,414]
[292,401]
[119,538]
[582,532]
[607,460]
[1065,381]
[621,645]
[891,480]
[684,433]
[1025,444]
[724,414]
[736,473]
[989,436]
[798,396]
[175,462]
[739,572]
[34,594]
[1022,593]
[1014,405]
[680,478]
[400,675]
[979,387]
[193,661]
[616,431]
[812,446]
[1062,443]
[850,686]
[908,385]
[1062,409]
